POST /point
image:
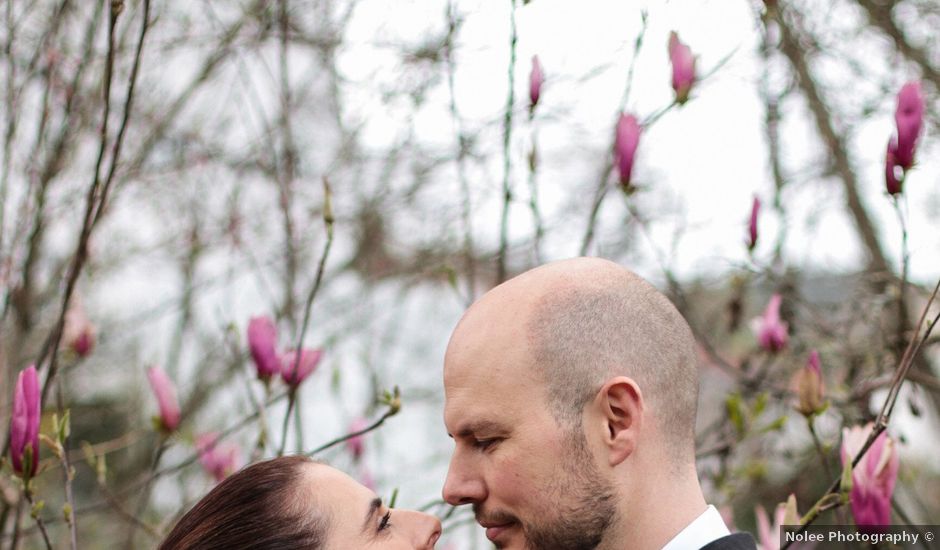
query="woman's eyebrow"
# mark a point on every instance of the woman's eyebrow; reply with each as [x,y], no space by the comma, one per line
[374,506]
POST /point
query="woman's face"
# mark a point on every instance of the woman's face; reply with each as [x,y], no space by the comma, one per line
[359,519]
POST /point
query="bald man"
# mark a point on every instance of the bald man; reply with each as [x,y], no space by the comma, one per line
[571,393]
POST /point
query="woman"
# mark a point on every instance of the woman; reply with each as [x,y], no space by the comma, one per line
[293,502]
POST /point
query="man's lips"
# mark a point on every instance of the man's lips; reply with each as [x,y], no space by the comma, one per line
[494,530]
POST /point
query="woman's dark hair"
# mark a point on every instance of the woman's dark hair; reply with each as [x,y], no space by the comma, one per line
[259,508]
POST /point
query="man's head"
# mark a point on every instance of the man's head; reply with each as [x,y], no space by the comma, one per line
[570,391]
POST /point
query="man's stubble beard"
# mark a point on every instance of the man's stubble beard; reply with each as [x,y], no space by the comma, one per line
[584,507]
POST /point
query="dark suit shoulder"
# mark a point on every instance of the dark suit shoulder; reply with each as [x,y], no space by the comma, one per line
[736,541]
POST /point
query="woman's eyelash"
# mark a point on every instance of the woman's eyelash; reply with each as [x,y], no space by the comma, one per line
[386,521]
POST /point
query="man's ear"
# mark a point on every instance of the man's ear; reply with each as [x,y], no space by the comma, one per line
[620,403]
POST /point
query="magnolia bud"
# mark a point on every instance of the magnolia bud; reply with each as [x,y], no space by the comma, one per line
[683,68]
[752,225]
[536,79]
[772,332]
[262,342]
[24,423]
[165,393]
[295,371]
[909,118]
[809,387]
[628,137]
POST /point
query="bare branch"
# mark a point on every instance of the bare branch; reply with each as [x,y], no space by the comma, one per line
[834,142]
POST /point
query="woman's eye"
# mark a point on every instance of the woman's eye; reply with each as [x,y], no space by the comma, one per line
[386,521]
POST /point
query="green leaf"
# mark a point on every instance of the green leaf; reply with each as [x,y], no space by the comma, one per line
[64,428]
[90,457]
[451,274]
[102,470]
[37,508]
[760,404]
[336,380]
[775,426]
[735,413]
[27,463]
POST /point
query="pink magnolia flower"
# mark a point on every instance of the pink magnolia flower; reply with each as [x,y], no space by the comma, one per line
[809,387]
[293,371]
[24,422]
[892,182]
[768,534]
[727,515]
[262,342]
[165,393]
[78,332]
[627,140]
[218,459]
[683,68]
[909,117]
[873,477]
[356,444]
[536,79]
[772,332]
[752,224]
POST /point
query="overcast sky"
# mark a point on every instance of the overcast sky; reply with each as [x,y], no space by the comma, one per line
[701,164]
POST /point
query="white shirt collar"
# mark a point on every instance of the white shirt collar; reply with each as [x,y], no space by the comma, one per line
[704,529]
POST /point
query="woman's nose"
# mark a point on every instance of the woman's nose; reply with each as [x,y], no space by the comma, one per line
[425,531]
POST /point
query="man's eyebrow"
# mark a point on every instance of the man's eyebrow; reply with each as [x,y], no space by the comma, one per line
[479,426]
[374,506]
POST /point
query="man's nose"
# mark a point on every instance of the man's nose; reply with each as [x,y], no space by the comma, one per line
[461,486]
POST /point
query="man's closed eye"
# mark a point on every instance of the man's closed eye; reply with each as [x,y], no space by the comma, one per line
[484,444]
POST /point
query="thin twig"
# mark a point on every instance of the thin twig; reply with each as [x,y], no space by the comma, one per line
[67,127]
[534,199]
[68,471]
[818,444]
[601,190]
[466,203]
[11,113]
[308,306]
[130,518]
[51,345]
[392,411]
[188,265]
[908,359]
[905,263]
[286,175]
[39,523]
[290,408]
[790,45]
[880,16]
[772,119]
[16,525]
[507,154]
[167,470]
[145,490]
[128,108]
[96,199]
